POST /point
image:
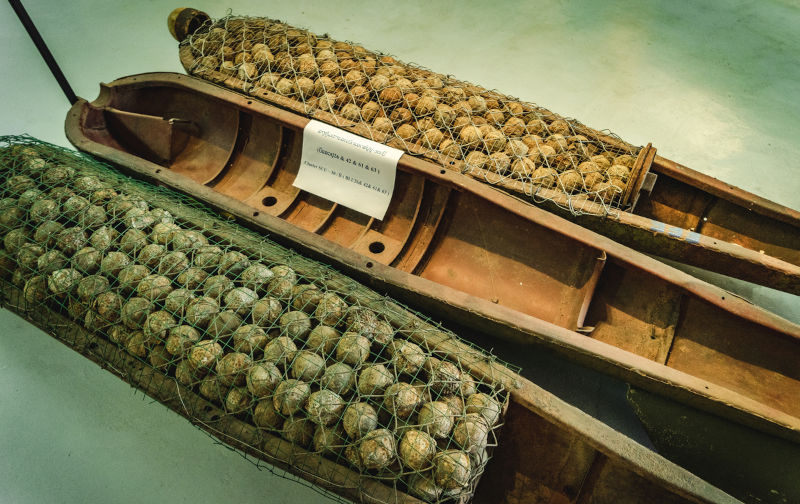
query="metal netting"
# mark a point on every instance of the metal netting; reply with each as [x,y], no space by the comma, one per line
[515,145]
[275,355]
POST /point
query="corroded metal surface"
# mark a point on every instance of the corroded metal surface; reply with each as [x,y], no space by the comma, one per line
[682,215]
[481,255]
[601,465]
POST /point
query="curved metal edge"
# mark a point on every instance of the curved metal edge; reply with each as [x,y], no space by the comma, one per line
[756,267]
[486,315]
[726,191]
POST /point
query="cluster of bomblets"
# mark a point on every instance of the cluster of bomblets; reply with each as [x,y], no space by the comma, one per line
[259,340]
[496,137]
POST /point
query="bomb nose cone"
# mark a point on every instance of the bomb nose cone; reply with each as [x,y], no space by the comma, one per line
[184,21]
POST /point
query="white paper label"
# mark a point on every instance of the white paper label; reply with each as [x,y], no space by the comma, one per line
[348,169]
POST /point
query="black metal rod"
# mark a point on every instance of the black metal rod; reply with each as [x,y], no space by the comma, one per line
[23,16]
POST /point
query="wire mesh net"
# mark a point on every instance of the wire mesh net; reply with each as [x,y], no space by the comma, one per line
[498,139]
[277,356]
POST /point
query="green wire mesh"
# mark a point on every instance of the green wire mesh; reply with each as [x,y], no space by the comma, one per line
[495,138]
[277,356]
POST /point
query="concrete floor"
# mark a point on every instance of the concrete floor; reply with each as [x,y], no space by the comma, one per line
[715,85]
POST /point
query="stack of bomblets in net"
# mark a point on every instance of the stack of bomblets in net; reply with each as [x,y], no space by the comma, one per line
[493,136]
[272,347]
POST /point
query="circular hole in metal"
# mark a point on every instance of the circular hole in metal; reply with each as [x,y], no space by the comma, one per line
[158,171]
[443,172]
[377,247]
[195,23]
[369,265]
[255,214]
[269,201]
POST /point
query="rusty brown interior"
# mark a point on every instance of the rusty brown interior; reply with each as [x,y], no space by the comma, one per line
[693,205]
[455,237]
[743,235]
[546,464]
[575,459]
